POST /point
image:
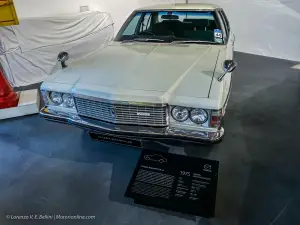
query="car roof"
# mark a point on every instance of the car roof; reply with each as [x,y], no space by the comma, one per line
[181,6]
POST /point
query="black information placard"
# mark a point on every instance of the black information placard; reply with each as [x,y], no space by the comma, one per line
[175,182]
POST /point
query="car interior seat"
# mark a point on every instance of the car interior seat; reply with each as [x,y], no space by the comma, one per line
[161,29]
[198,29]
[175,26]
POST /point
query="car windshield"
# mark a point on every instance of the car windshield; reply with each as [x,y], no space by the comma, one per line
[172,26]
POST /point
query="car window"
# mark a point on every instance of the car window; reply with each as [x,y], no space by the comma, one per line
[130,29]
[165,25]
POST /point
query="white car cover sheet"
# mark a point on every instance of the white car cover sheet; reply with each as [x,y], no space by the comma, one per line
[28,52]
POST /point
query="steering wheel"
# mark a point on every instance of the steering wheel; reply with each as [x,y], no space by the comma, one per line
[146,32]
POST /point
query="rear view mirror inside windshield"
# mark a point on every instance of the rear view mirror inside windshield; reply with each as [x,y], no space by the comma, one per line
[170,17]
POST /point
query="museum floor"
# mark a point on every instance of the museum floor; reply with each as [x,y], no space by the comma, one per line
[56,169]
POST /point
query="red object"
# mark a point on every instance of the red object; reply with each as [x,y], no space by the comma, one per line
[215,121]
[8,98]
[216,118]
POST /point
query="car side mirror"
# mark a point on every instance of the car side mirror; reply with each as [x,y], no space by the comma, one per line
[228,67]
[62,58]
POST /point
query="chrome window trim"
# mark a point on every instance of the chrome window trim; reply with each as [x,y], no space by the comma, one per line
[135,12]
[177,10]
[225,35]
[225,19]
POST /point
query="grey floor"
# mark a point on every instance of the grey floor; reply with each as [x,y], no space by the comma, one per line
[48,168]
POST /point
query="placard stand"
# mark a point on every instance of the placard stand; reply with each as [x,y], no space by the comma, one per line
[175,182]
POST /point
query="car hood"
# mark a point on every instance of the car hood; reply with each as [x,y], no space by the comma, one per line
[154,71]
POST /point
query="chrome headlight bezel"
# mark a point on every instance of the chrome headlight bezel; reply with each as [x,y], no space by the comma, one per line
[63,103]
[182,108]
[190,121]
[200,112]
[68,100]
[59,95]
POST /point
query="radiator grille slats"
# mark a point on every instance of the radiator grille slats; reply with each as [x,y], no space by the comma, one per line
[122,113]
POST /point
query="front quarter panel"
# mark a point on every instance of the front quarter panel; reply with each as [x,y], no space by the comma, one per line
[220,89]
[228,77]
[58,87]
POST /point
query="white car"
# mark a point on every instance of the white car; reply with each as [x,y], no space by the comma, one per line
[166,75]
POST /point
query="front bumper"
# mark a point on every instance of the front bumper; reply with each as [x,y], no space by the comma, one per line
[210,136]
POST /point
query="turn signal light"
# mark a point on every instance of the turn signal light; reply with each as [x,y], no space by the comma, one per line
[216,118]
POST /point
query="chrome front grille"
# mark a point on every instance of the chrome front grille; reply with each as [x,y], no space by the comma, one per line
[122,113]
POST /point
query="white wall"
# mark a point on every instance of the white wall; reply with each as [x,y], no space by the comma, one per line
[263,27]
[119,9]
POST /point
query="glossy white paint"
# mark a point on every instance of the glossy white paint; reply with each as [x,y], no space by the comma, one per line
[297,67]
[174,74]
[179,74]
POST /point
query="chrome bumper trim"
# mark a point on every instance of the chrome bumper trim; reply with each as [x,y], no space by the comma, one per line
[137,132]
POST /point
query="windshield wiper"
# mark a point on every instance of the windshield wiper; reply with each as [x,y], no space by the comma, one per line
[192,42]
[144,40]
